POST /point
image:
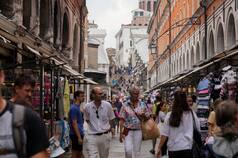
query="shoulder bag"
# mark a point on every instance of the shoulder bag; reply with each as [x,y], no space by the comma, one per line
[197,140]
[149,128]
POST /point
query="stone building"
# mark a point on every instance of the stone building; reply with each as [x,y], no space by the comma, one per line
[45,38]
[189,35]
[48,26]
[97,67]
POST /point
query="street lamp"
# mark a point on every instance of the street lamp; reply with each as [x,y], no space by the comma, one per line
[153,50]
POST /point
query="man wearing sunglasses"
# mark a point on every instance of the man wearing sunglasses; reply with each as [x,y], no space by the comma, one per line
[99,116]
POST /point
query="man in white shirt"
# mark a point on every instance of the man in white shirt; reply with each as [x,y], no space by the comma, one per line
[99,116]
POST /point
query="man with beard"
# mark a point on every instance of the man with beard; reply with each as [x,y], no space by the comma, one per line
[31,139]
[23,88]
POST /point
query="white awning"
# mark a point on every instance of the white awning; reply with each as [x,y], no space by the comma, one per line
[33,51]
[89,81]
[73,72]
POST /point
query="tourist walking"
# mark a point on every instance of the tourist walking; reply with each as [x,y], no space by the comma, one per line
[23,88]
[22,131]
[178,128]
[159,117]
[132,112]
[226,141]
[99,116]
[76,125]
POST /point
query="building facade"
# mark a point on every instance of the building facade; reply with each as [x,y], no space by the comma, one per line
[147,5]
[130,40]
[188,34]
[97,67]
[56,26]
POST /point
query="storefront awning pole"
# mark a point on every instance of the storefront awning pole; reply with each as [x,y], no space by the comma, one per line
[41,89]
[56,93]
[51,100]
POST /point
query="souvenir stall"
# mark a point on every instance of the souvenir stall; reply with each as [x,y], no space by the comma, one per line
[221,83]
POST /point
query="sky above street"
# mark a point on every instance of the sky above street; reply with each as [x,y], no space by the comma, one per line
[109,15]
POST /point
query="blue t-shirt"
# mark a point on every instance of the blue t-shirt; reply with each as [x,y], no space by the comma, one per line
[75,113]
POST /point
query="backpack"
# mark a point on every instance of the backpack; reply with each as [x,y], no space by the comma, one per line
[18,131]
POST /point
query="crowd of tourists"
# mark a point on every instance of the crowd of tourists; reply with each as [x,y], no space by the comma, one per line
[173,128]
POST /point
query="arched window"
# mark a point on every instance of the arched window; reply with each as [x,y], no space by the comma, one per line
[203,49]
[192,57]
[75,46]
[27,13]
[187,61]
[231,32]
[44,17]
[220,39]
[211,50]
[181,63]
[6,7]
[56,20]
[65,37]
[197,53]
[148,6]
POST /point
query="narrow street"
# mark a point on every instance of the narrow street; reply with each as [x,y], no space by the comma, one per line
[117,149]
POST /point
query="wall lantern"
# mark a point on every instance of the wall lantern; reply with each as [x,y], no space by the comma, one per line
[153,50]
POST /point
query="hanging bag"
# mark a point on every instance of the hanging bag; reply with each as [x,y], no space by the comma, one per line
[149,128]
[197,140]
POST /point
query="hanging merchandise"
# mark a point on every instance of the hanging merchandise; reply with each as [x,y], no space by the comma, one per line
[203,102]
[216,86]
[66,98]
[229,85]
[64,134]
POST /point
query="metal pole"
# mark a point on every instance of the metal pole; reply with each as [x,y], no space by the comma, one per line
[42,89]
[57,93]
[51,100]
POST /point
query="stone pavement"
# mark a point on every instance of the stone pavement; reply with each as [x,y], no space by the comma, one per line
[117,149]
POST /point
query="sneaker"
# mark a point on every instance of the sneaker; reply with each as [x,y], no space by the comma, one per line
[152,151]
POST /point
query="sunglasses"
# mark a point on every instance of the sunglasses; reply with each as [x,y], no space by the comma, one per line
[97,114]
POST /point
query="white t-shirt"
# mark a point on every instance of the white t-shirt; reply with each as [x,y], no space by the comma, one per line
[180,138]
